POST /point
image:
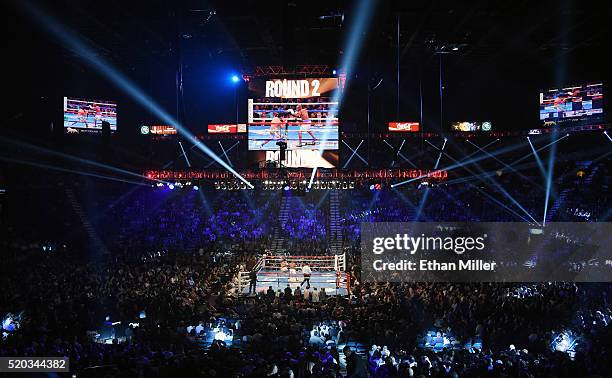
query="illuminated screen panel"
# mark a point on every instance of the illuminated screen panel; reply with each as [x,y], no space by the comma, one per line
[472,126]
[404,126]
[572,104]
[299,112]
[305,158]
[158,130]
[227,128]
[86,116]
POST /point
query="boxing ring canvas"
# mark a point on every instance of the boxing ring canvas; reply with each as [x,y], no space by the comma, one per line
[328,272]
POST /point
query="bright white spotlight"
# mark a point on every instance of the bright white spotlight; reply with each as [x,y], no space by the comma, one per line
[171,186]
[220,336]
[195,187]
[333,72]
[235,79]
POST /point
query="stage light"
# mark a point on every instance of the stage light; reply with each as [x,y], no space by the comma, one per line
[333,72]
[171,186]
[566,342]
[286,188]
[220,336]
[235,79]
[195,187]
[372,187]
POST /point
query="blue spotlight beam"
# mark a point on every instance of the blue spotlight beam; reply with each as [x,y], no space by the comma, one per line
[492,182]
[358,26]
[421,205]
[404,156]
[76,159]
[322,200]
[312,176]
[497,202]
[96,61]
[516,168]
[463,163]
[501,189]
[184,154]
[513,164]
[354,153]
[60,169]
[405,200]
[606,134]
[481,149]
[539,149]
[398,152]
[440,155]
[178,156]
[505,165]
[226,151]
[438,160]
[537,158]
[205,203]
[549,177]
[225,154]
[439,149]
[444,144]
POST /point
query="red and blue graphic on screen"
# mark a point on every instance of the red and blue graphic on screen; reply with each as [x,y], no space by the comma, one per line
[578,103]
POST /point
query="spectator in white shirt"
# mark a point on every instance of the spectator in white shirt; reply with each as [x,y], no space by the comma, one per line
[306,294]
[315,295]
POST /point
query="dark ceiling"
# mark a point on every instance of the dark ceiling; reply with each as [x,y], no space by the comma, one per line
[313,32]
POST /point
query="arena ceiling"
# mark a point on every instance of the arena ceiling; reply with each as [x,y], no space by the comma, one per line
[508,48]
[254,33]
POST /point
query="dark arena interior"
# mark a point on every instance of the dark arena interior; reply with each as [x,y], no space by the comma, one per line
[223,188]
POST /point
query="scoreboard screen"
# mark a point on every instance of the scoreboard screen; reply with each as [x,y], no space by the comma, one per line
[86,116]
[301,114]
[571,104]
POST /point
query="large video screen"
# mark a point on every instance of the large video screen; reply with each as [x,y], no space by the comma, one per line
[300,113]
[471,126]
[86,116]
[573,104]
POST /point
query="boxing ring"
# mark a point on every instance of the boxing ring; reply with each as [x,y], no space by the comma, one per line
[328,272]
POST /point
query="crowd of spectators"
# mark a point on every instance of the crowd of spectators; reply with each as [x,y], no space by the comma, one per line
[171,267]
[287,332]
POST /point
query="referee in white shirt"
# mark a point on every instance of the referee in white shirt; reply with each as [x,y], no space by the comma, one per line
[306,271]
